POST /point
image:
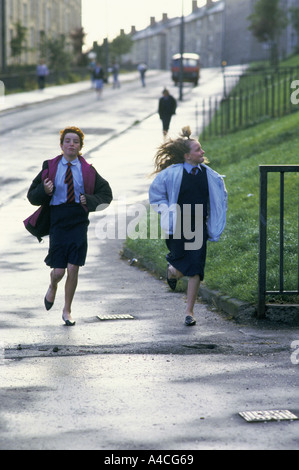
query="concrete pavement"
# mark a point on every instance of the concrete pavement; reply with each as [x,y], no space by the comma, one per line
[146,383]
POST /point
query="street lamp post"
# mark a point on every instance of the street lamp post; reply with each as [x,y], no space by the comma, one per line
[223,65]
[182,37]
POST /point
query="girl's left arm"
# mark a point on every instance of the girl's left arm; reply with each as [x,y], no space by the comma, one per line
[101,197]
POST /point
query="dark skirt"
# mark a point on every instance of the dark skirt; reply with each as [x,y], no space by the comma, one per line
[68,236]
[188,262]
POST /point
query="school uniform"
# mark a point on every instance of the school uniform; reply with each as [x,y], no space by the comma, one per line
[175,187]
[194,190]
[68,223]
[99,77]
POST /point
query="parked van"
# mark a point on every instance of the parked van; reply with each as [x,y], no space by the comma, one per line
[191,68]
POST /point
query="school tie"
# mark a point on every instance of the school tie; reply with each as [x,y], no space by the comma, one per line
[70,185]
[194,170]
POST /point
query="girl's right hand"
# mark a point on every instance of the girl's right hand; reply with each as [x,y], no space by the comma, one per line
[48,186]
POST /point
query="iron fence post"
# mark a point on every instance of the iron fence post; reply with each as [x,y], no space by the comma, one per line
[262,243]
[281,234]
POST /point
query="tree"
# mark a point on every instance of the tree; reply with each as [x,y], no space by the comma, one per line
[59,57]
[120,45]
[18,42]
[115,49]
[267,23]
[43,47]
[55,52]
[99,51]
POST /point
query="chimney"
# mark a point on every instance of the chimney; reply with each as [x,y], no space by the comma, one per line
[194,5]
[164,17]
[133,29]
[153,21]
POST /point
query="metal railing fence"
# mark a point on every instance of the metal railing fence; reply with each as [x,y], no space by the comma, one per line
[250,102]
[263,219]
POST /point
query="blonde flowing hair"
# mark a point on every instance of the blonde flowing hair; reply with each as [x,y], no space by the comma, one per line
[173,151]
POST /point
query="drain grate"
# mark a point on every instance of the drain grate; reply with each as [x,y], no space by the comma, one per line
[271,415]
[115,317]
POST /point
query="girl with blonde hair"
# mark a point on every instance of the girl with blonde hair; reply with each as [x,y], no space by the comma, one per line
[192,201]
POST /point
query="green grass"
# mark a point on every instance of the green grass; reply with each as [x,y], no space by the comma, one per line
[232,263]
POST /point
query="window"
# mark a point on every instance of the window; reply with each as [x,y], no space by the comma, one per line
[25,14]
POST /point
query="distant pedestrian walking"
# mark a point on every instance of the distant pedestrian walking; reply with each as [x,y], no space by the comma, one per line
[142,68]
[91,68]
[41,72]
[67,189]
[115,71]
[167,108]
[99,77]
[192,201]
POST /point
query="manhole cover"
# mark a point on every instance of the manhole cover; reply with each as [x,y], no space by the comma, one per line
[272,415]
[115,317]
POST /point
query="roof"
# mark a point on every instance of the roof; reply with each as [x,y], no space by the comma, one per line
[186,55]
[160,27]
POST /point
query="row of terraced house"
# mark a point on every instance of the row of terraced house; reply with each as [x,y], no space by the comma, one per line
[217,31]
[51,18]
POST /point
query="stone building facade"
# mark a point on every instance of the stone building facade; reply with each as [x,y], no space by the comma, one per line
[240,46]
[156,44]
[49,17]
[217,31]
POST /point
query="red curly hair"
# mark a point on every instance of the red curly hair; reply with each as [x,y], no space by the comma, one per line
[72,130]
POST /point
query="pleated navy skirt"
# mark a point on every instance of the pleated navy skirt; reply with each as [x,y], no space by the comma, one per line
[68,236]
[194,190]
[188,262]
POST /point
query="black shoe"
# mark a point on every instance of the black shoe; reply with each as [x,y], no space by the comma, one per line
[48,304]
[189,321]
[68,322]
[171,282]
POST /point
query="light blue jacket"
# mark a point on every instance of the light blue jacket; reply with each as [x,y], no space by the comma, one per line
[164,193]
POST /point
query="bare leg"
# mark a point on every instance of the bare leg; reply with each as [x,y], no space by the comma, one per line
[174,273]
[192,291]
[70,288]
[55,277]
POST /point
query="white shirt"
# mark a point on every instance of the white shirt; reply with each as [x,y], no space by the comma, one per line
[60,191]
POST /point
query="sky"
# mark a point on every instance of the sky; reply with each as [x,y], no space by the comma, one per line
[105,18]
